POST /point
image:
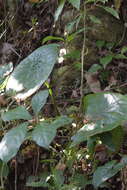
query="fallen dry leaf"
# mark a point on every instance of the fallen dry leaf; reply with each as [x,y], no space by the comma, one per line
[3,101]
[93,82]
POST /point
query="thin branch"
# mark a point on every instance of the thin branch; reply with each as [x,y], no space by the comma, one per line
[82,59]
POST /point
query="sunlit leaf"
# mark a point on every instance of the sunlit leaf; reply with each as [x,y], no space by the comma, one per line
[33,71]
[39,100]
[16,113]
[104,111]
[11,142]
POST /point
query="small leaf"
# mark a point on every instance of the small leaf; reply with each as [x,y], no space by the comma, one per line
[105,172]
[11,142]
[106,60]
[94,68]
[94,19]
[38,181]
[48,38]
[59,9]
[61,121]
[100,43]
[16,113]
[39,100]
[124,49]
[43,134]
[37,184]
[110,45]
[112,11]
[75,3]
[120,56]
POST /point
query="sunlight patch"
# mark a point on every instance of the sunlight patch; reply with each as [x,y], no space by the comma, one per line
[13,84]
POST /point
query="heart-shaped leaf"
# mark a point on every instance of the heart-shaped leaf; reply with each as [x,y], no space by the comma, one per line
[16,113]
[32,72]
[104,111]
[39,100]
[11,142]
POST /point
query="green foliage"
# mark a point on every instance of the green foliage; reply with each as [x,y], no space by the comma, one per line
[59,9]
[105,172]
[94,19]
[75,3]
[105,111]
[44,132]
[112,11]
[33,71]
[49,38]
[39,100]
[106,60]
[16,114]
[12,141]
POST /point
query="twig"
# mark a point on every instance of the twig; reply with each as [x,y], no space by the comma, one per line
[82,59]
[16,169]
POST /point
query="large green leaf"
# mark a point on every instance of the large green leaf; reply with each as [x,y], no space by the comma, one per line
[43,134]
[105,111]
[39,100]
[11,142]
[32,72]
[16,113]
[105,172]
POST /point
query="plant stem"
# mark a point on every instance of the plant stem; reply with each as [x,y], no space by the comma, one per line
[82,60]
